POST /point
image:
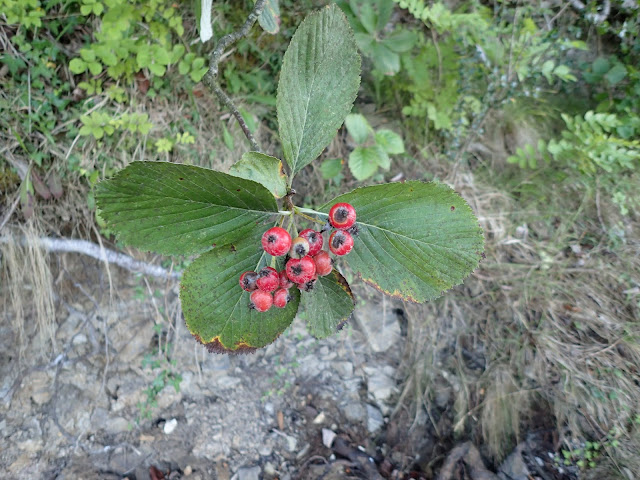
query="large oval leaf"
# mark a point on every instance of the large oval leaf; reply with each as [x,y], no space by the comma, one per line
[216,310]
[264,169]
[318,84]
[328,306]
[415,239]
[181,209]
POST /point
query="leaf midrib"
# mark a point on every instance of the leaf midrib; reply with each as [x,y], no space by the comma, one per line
[186,201]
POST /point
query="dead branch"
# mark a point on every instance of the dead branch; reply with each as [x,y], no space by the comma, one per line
[211,77]
[72,245]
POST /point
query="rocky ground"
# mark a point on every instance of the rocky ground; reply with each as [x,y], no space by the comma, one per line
[103,405]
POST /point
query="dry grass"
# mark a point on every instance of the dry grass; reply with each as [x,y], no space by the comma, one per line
[550,322]
[29,301]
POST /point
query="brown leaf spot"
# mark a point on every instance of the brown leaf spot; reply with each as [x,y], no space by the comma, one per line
[233,248]
[216,346]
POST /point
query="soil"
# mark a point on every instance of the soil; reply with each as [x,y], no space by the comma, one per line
[299,409]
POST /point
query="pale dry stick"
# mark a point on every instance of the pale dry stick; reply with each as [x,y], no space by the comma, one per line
[211,77]
[69,245]
[12,209]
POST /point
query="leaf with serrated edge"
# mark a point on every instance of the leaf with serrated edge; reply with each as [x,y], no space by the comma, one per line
[328,306]
[181,209]
[216,310]
[415,239]
[318,84]
[264,169]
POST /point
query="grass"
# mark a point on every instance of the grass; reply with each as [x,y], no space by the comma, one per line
[549,323]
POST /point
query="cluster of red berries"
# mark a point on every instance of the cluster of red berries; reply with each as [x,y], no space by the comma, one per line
[307,261]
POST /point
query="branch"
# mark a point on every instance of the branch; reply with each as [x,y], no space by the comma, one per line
[211,77]
[92,250]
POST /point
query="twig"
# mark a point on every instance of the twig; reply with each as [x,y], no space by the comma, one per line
[211,77]
[83,247]
[12,209]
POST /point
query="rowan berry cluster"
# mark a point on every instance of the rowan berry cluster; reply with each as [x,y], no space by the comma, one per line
[305,262]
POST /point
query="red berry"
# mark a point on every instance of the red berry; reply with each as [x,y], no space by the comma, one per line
[315,240]
[342,215]
[284,280]
[340,242]
[268,279]
[299,247]
[281,297]
[260,300]
[248,281]
[324,263]
[309,284]
[301,270]
[276,241]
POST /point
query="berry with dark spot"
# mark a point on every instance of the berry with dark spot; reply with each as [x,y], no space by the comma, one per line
[309,284]
[268,279]
[315,240]
[301,270]
[260,300]
[248,281]
[342,215]
[281,297]
[324,263]
[276,241]
[299,247]
[340,242]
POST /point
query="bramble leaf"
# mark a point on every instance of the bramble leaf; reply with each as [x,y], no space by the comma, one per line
[263,169]
[328,306]
[181,209]
[216,310]
[415,239]
[318,84]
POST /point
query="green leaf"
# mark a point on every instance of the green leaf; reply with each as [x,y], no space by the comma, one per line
[385,60]
[181,209]
[358,127]
[216,310]
[390,141]
[269,19]
[77,66]
[616,74]
[318,83]
[95,68]
[415,239]
[263,169]
[400,41]
[328,306]
[363,162]
[331,167]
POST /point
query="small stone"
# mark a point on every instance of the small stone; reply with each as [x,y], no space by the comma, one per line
[269,470]
[344,369]
[354,412]
[248,473]
[170,426]
[375,421]
[227,382]
[265,450]
[292,443]
[320,418]
[188,470]
[327,437]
